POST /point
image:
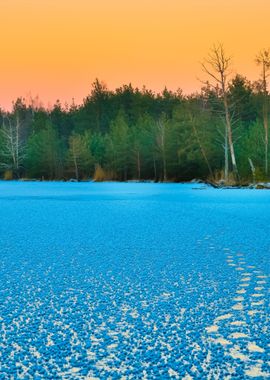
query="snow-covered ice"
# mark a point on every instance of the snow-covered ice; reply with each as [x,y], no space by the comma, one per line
[129,280]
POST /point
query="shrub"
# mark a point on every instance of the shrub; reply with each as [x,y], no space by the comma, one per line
[101,174]
[8,175]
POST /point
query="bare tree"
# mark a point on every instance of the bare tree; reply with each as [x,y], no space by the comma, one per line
[263,59]
[217,65]
[13,145]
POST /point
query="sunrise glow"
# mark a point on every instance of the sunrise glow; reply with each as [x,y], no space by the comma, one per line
[57,48]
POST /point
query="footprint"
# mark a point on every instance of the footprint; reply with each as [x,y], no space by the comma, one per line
[253,347]
[237,335]
[212,329]
[238,306]
[223,317]
[259,303]
[241,291]
[238,323]
[239,299]
[222,341]
[235,353]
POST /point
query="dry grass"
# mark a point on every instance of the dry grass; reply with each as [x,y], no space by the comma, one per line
[8,175]
[219,178]
[101,174]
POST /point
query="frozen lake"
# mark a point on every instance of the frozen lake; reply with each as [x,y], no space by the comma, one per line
[112,280]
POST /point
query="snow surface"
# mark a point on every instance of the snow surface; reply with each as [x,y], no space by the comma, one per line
[123,281]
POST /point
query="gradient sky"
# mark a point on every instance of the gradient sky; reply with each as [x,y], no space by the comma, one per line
[56,48]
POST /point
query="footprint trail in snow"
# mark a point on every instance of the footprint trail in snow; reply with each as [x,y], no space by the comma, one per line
[232,330]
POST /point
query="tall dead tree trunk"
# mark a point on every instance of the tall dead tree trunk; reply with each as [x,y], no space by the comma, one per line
[217,66]
[263,59]
[226,156]
[229,133]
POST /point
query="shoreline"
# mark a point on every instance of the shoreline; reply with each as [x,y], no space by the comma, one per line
[215,185]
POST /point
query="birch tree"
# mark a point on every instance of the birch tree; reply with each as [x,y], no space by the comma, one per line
[13,147]
[79,155]
[263,59]
[217,66]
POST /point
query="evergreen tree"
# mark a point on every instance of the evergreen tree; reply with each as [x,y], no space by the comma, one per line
[117,146]
[45,154]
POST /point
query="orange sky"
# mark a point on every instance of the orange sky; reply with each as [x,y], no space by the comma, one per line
[56,48]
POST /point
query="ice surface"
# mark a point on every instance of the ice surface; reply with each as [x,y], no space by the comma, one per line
[133,280]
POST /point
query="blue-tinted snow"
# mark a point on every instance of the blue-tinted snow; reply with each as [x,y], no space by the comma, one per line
[133,281]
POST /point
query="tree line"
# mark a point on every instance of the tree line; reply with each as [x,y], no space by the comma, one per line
[218,133]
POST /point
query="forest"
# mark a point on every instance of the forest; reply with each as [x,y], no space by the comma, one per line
[219,133]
